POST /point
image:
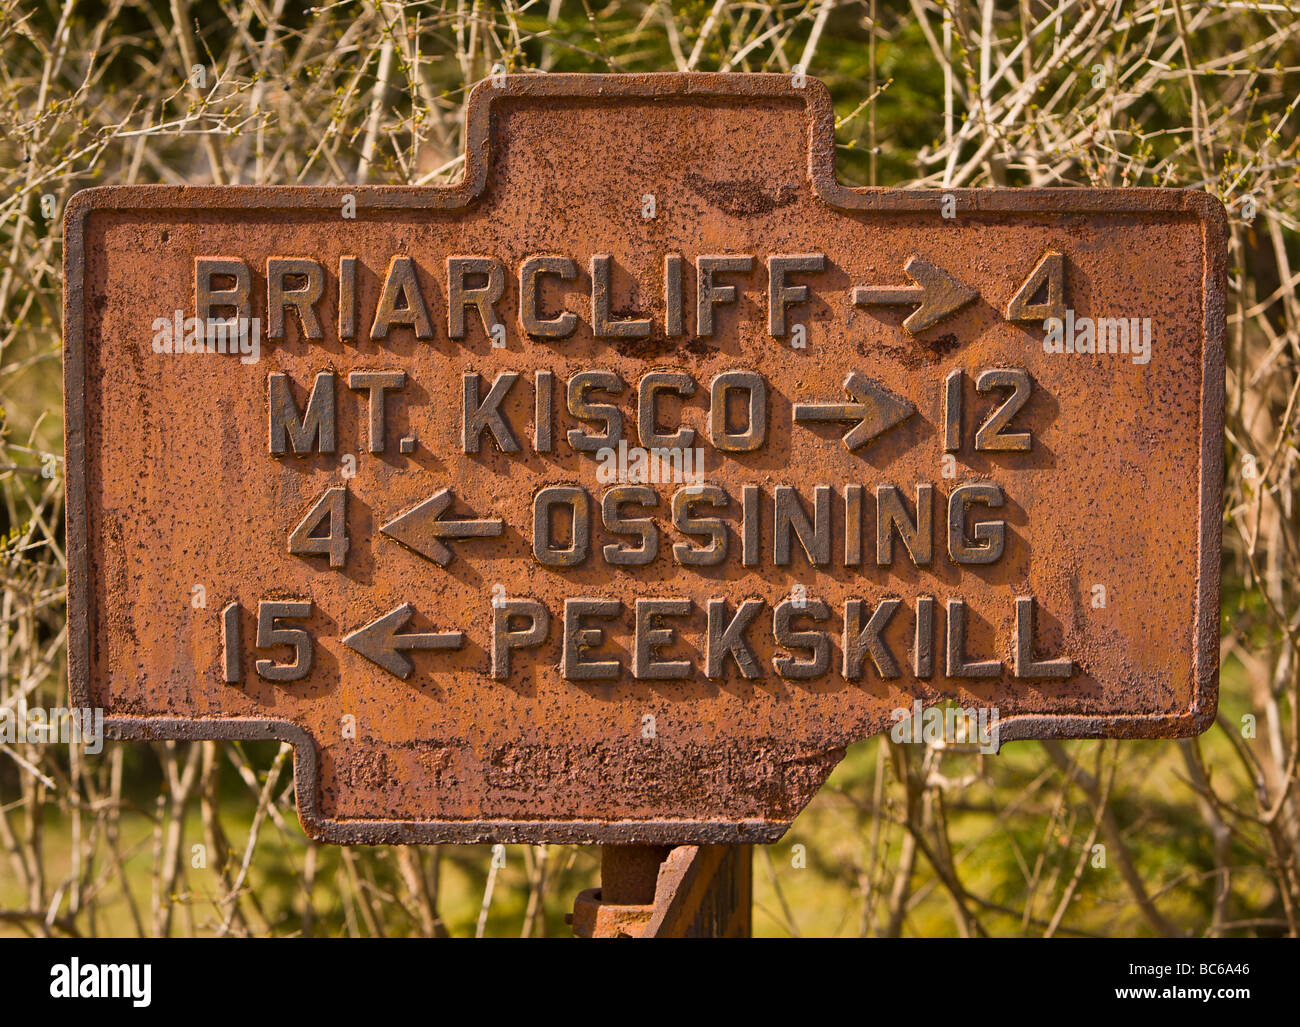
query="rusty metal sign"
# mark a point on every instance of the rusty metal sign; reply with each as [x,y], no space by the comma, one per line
[611,493]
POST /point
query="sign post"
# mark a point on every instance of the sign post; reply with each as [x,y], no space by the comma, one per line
[607,495]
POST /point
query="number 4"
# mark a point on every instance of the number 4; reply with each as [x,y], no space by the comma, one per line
[1046,279]
[331,505]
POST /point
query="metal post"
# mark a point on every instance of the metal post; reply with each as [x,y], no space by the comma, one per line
[653,891]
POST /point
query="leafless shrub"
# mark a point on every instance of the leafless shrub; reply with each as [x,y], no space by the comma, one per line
[1201,837]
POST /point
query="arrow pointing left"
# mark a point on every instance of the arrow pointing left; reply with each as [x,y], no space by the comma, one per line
[422,527]
[380,643]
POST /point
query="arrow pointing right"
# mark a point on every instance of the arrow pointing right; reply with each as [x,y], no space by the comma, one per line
[380,643]
[874,407]
[936,294]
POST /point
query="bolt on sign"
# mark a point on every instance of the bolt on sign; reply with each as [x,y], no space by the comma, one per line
[611,493]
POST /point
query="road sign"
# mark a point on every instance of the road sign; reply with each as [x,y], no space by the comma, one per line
[610,494]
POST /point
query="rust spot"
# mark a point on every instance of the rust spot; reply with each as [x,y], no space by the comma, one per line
[648,348]
[742,198]
[941,345]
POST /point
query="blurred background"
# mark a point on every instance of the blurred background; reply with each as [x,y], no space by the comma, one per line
[1198,837]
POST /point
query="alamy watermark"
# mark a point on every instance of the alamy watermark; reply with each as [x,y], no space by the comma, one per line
[75,979]
[657,466]
[235,335]
[947,725]
[75,726]
[1130,336]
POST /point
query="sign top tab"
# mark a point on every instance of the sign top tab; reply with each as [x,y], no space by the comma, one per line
[610,493]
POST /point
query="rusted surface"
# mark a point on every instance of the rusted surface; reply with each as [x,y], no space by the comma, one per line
[628,873]
[704,891]
[691,891]
[594,918]
[177,477]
